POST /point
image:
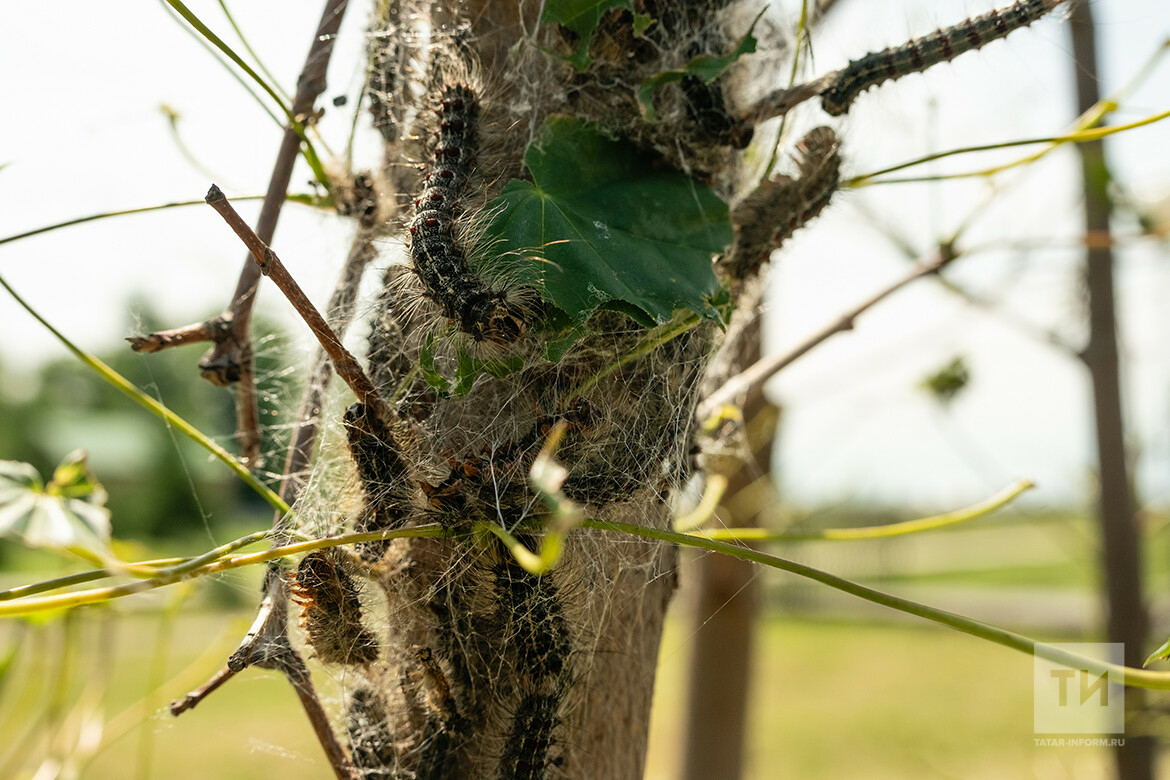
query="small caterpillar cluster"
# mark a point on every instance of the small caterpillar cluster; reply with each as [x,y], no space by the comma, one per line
[779,206]
[918,55]
[331,612]
[438,259]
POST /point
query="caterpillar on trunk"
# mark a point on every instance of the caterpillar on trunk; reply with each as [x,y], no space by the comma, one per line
[438,259]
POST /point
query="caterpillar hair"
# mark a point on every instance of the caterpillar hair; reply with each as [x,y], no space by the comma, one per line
[531,739]
[778,207]
[380,468]
[370,745]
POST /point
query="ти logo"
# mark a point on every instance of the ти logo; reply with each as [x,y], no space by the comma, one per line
[1068,699]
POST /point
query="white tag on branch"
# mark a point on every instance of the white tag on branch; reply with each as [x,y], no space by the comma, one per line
[69,513]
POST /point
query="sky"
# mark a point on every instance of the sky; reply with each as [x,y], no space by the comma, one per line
[85,133]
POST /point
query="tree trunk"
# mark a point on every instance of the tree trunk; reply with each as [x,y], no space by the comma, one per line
[726,603]
[1121,546]
[490,671]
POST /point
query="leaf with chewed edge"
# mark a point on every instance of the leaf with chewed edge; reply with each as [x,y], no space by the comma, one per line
[603,225]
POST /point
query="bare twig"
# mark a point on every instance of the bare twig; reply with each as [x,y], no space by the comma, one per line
[751,380]
[297,672]
[344,362]
[267,646]
[230,360]
[179,706]
[267,642]
[208,330]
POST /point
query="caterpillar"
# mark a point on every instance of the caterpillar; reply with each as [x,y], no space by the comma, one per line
[527,753]
[435,254]
[331,612]
[919,54]
[371,746]
[438,690]
[379,466]
[778,207]
[530,614]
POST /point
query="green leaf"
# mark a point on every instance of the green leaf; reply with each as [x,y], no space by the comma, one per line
[582,16]
[67,514]
[468,368]
[604,226]
[946,384]
[707,67]
[1159,654]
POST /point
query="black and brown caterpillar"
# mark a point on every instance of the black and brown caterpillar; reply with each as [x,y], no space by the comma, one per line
[919,54]
[435,253]
[331,612]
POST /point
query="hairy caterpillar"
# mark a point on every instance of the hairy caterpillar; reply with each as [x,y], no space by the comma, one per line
[371,748]
[378,460]
[919,54]
[331,612]
[437,258]
[527,751]
[530,614]
[778,207]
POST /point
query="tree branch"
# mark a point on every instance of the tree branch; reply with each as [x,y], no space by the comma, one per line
[270,265]
[751,380]
[230,360]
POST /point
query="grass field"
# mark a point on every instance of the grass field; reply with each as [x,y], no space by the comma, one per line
[850,697]
[831,700]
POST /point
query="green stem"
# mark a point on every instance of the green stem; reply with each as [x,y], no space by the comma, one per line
[309,153]
[244,84]
[797,50]
[19,607]
[999,500]
[1079,137]
[255,57]
[154,407]
[104,214]
[1139,678]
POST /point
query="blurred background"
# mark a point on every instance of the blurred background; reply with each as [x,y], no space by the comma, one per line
[940,397]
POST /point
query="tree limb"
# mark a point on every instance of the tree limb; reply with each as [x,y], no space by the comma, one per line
[751,380]
[230,360]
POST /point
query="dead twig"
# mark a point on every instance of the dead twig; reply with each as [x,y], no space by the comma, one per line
[267,646]
[344,363]
[230,360]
